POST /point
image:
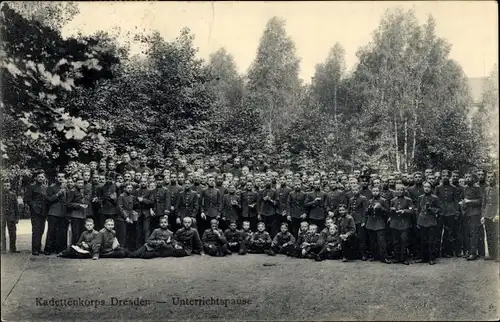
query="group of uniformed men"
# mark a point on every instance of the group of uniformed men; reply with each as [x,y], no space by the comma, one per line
[218,208]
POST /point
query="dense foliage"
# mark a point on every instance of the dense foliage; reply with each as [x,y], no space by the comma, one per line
[406,104]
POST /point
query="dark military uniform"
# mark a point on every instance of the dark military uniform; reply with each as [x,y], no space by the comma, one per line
[36,199]
[189,240]
[375,224]
[472,213]
[249,204]
[400,224]
[144,208]
[316,209]
[428,208]
[214,244]
[234,240]
[260,242]
[280,240]
[10,218]
[358,206]
[57,230]
[230,211]
[267,210]
[448,226]
[490,211]
[75,199]
[296,208]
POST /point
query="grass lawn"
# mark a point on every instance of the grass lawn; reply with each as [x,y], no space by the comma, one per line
[274,288]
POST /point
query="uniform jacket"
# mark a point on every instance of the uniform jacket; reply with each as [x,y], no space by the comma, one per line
[144,207]
[87,237]
[334,199]
[261,238]
[317,209]
[345,225]
[301,237]
[230,211]
[428,208]
[387,194]
[377,217]
[163,200]
[296,203]
[233,236]
[246,236]
[10,210]
[249,198]
[174,190]
[268,207]
[401,221]
[211,202]
[74,200]
[210,237]
[108,196]
[281,239]
[189,239]
[312,239]
[36,199]
[56,202]
[490,202]
[126,205]
[358,206]
[414,192]
[282,205]
[367,193]
[187,204]
[449,196]
[472,208]
[329,240]
[157,237]
[103,242]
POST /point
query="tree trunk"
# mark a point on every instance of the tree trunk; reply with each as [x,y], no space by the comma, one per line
[406,146]
[415,124]
[396,141]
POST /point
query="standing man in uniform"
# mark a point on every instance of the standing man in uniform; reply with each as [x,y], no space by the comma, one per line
[471,203]
[36,200]
[490,216]
[57,230]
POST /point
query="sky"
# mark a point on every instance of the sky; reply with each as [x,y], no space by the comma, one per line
[470,26]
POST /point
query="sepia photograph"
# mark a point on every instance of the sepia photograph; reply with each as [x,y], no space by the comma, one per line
[249,161]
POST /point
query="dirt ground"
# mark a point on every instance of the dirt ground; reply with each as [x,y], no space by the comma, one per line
[267,288]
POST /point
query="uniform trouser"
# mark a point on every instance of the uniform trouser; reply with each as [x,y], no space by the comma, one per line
[144,253]
[282,250]
[215,249]
[142,230]
[57,234]
[121,232]
[333,253]
[427,242]
[362,238]
[251,220]
[480,241]
[451,241]
[400,242]
[77,228]
[116,253]
[492,237]
[378,244]
[463,229]
[71,253]
[272,224]
[96,217]
[10,226]
[37,228]
[259,248]
[203,224]
[131,233]
[236,248]
[473,225]
[172,221]
[294,226]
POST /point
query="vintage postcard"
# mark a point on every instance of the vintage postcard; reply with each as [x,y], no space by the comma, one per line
[253,161]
